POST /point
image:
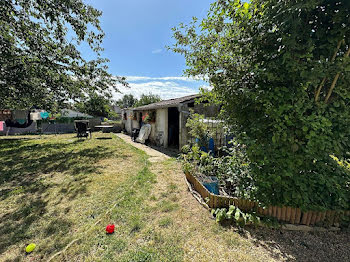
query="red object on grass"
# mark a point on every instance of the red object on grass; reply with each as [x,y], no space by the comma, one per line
[110,229]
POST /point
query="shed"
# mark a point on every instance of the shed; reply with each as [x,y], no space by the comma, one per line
[168,119]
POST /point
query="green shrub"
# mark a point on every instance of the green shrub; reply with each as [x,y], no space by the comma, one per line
[280,71]
[233,167]
[198,129]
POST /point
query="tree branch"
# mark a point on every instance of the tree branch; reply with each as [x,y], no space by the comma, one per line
[335,79]
[317,95]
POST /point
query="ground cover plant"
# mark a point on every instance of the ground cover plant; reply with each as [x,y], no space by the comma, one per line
[280,71]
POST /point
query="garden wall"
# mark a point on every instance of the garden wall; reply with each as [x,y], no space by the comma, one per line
[19,131]
[57,128]
[284,214]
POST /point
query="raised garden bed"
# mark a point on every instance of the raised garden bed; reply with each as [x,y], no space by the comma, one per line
[283,214]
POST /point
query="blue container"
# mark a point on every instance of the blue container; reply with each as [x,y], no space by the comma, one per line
[211,146]
[202,148]
[213,185]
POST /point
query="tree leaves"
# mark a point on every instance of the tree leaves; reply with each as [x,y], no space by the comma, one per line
[280,72]
[41,65]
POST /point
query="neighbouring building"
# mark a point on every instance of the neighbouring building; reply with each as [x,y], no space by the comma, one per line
[168,119]
[14,122]
[117,109]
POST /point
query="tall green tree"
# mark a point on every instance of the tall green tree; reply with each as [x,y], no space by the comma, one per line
[127,101]
[97,105]
[41,64]
[280,69]
[147,99]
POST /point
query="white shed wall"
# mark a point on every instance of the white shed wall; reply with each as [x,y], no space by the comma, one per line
[162,127]
[128,121]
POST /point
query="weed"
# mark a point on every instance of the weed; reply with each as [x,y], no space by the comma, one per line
[172,187]
[165,222]
[167,206]
[153,198]
[142,255]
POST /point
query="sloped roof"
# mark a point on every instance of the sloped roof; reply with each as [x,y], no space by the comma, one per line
[167,103]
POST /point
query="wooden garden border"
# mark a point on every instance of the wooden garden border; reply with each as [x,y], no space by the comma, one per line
[284,214]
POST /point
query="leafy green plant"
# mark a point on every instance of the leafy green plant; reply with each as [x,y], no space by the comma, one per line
[97,105]
[280,71]
[198,129]
[146,118]
[235,216]
[165,222]
[232,169]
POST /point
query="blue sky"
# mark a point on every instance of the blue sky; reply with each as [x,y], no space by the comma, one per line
[137,32]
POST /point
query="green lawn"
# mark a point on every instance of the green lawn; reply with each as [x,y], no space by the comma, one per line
[56,189]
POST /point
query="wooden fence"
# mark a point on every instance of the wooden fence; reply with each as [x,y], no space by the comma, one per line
[284,214]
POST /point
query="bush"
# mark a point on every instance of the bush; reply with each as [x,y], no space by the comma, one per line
[198,129]
[280,70]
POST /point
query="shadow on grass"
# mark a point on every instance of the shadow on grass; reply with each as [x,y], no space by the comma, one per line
[302,246]
[23,163]
[28,172]
[170,151]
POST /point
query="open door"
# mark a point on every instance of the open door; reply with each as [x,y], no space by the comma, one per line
[173,127]
[140,119]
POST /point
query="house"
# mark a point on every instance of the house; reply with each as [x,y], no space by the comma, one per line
[168,119]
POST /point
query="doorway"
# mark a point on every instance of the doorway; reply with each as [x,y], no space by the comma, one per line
[173,127]
[140,120]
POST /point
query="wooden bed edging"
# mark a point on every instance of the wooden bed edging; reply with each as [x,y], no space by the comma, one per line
[284,214]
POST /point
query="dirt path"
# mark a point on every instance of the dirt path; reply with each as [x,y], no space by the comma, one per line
[155,156]
[202,239]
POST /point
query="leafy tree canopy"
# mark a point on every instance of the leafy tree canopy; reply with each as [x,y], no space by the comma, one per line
[40,62]
[280,69]
[147,99]
[127,101]
[131,101]
[97,105]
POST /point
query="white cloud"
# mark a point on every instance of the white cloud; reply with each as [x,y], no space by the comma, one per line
[166,87]
[166,78]
[157,51]
[166,90]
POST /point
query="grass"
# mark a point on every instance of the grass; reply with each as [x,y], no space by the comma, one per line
[54,189]
[165,222]
[167,206]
